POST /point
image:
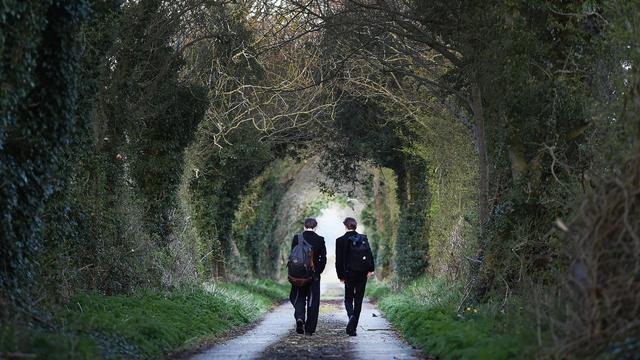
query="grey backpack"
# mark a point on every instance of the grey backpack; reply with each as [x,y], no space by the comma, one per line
[300,265]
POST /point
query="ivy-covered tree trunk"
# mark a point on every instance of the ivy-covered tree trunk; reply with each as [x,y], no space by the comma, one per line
[481,145]
[412,245]
[40,56]
[483,182]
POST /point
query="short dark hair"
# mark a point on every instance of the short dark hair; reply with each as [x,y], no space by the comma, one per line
[350,223]
[310,223]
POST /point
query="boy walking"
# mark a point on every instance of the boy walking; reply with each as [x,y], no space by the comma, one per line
[305,292]
[354,265]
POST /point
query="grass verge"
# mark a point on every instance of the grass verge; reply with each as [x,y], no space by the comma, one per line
[147,324]
[426,313]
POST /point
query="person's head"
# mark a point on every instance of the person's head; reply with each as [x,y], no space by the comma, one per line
[310,223]
[350,223]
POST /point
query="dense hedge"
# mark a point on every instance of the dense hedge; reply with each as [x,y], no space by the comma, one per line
[114,227]
[255,221]
[214,193]
[414,196]
[41,53]
[380,217]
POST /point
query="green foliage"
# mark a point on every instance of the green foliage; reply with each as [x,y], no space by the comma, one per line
[447,145]
[70,216]
[40,53]
[49,344]
[214,192]
[255,222]
[425,312]
[159,111]
[264,291]
[363,134]
[126,164]
[414,196]
[221,163]
[146,324]
[377,290]
[380,217]
[158,160]
[315,207]
[539,142]
[87,251]
[113,227]
[144,114]
[371,132]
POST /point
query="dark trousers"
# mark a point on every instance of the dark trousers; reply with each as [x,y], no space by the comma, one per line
[306,297]
[353,294]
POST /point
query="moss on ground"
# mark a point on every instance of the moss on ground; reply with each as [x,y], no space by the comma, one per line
[147,324]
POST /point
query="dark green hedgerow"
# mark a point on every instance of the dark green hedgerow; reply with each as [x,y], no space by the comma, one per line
[426,313]
[39,56]
[147,324]
[254,222]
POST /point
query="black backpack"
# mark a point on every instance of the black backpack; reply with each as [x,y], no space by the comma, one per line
[360,257]
[300,265]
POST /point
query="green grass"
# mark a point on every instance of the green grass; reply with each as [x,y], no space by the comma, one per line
[147,324]
[426,314]
[376,290]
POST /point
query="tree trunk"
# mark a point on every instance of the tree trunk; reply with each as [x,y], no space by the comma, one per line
[481,145]
[477,286]
[377,197]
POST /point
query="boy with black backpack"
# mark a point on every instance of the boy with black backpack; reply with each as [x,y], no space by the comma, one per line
[354,265]
[307,260]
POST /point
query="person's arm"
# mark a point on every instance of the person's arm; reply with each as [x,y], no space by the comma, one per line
[294,241]
[373,260]
[340,258]
[322,256]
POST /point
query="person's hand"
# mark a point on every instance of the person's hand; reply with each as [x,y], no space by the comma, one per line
[369,274]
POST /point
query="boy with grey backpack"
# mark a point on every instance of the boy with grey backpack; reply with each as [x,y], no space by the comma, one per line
[307,260]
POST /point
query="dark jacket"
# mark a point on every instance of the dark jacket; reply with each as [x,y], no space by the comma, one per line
[319,250]
[342,250]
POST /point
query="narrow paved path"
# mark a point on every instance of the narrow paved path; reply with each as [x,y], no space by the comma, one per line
[250,345]
[376,338]
[329,341]
[274,337]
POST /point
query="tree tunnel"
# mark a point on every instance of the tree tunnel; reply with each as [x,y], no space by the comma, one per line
[415,199]
[159,145]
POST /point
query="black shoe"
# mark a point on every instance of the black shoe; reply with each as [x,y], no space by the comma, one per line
[308,333]
[351,325]
[353,334]
[300,326]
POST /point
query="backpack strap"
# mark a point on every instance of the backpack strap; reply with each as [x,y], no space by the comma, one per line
[312,262]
